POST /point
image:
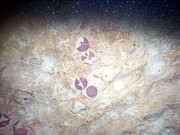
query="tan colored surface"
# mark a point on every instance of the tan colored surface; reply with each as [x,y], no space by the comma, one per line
[138,84]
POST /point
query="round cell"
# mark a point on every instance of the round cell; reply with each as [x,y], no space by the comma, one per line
[91,91]
[82,44]
[88,57]
[81,83]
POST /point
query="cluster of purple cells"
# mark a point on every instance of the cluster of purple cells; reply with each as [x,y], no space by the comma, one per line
[81,83]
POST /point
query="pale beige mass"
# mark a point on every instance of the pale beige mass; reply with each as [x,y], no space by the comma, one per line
[138,79]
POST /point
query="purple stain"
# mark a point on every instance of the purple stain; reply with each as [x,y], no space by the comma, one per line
[84,81]
[88,57]
[91,91]
[81,83]
[84,45]
[5,122]
[20,131]
[6,116]
[79,87]
[85,41]
[76,82]
[83,48]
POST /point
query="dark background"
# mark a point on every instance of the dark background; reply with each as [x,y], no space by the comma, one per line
[160,13]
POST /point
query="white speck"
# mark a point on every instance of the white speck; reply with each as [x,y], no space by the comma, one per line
[132,111]
[165,47]
[155,66]
[107,73]
[78,42]
[113,115]
[104,99]
[94,79]
[118,86]
[78,106]
[152,49]
[47,66]
[107,60]
[123,55]
[23,42]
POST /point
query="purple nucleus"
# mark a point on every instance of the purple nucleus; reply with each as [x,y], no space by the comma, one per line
[83,48]
[21,131]
[6,120]
[84,81]
[85,42]
[88,57]
[76,82]
[6,116]
[81,83]
[91,91]
[82,44]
